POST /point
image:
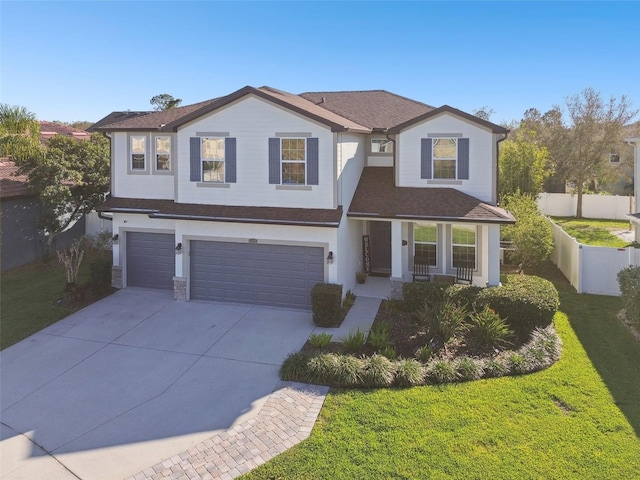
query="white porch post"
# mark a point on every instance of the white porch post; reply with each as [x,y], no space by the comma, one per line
[493,255]
[396,249]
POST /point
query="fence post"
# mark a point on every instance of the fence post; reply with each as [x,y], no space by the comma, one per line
[580,254]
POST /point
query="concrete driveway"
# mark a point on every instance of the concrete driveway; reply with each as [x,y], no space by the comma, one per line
[135,378]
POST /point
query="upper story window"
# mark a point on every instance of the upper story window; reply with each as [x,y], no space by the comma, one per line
[381,145]
[425,243]
[463,245]
[212,152]
[138,149]
[445,157]
[614,157]
[294,159]
[163,154]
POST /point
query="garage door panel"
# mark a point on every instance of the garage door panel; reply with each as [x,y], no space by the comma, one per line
[264,274]
[150,260]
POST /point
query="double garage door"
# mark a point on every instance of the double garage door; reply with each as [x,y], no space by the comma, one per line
[262,274]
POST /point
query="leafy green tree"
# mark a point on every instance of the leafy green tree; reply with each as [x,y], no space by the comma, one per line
[19,132]
[164,101]
[523,165]
[70,178]
[531,236]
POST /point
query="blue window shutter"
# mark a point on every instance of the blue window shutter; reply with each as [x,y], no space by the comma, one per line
[312,161]
[274,160]
[230,160]
[426,156]
[463,159]
[196,169]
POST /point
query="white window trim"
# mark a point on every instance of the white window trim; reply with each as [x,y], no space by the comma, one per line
[130,169]
[436,243]
[475,246]
[282,162]
[202,160]
[434,160]
[155,155]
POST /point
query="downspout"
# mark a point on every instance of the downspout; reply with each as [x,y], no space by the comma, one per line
[498,166]
[386,134]
[101,215]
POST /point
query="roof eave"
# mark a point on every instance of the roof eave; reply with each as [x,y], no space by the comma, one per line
[453,111]
[440,218]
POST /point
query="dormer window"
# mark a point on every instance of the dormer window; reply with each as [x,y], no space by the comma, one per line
[381,145]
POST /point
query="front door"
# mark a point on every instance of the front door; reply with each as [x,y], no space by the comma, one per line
[380,233]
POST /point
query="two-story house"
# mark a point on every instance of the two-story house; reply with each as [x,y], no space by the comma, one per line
[256,196]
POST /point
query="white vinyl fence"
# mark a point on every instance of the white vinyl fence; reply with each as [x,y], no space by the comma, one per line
[591,269]
[611,207]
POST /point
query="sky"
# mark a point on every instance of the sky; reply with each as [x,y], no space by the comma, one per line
[81,60]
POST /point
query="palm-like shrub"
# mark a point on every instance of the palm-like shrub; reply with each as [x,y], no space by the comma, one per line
[444,320]
[489,329]
[320,340]
[379,336]
[354,341]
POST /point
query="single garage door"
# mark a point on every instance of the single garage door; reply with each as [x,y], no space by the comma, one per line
[262,274]
[151,260]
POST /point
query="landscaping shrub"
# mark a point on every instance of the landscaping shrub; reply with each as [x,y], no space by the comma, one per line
[320,340]
[100,275]
[378,371]
[322,369]
[517,363]
[443,320]
[354,341]
[326,304]
[489,329]
[542,350]
[389,352]
[463,294]
[295,367]
[349,371]
[441,371]
[424,353]
[379,336]
[409,373]
[524,301]
[496,366]
[416,294]
[469,368]
[629,281]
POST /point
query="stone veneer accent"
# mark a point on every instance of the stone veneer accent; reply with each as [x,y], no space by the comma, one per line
[180,289]
[396,288]
[116,276]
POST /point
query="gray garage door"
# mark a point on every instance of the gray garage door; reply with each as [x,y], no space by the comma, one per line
[277,275]
[151,260]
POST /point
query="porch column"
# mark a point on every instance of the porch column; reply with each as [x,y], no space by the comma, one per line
[396,249]
[493,255]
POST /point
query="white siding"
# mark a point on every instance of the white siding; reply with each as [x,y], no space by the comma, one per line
[482,161]
[252,121]
[138,185]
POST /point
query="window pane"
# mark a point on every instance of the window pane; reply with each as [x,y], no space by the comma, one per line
[444,148]
[212,171]
[293,173]
[427,251]
[463,235]
[293,149]
[137,161]
[138,144]
[163,162]
[464,256]
[444,169]
[379,145]
[426,233]
[163,145]
[213,148]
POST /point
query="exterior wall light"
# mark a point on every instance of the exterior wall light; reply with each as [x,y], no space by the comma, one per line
[115,238]
[330,258]
[179,248]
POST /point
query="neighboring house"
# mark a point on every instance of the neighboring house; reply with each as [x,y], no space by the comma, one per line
[22,241]
[256,196]
[635,217]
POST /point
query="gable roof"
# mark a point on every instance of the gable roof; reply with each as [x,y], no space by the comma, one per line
[377,197]
[376,109]
[50,129]
[12,185]
[454,111]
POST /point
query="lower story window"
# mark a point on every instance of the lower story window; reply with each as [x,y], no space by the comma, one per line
[425,240]
[463,246]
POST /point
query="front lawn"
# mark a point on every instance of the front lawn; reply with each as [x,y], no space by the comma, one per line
[578,419]
[28,296]
[590,231]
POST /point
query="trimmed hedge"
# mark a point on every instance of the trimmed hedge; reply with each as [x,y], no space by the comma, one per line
[347,371]
[526,302]
[416,294]
[629,281]
[326,304]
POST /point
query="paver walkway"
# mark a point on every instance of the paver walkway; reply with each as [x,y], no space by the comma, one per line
[285,419]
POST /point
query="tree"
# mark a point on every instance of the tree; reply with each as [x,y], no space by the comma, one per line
[523,165]
[580,147]
[164,101]
[70,178]
[19,132]
[531,236]
[484,113]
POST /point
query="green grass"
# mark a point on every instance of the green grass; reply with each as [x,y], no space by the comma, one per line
[590,231]
[578,419]
[27,299]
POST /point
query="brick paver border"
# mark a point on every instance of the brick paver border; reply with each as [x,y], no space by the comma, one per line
[285,419]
